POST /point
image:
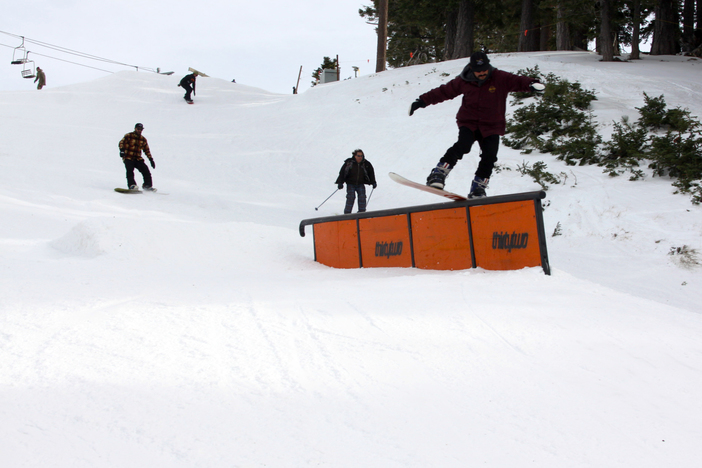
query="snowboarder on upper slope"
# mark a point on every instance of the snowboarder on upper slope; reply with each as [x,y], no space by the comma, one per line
[480,118]
[188,84]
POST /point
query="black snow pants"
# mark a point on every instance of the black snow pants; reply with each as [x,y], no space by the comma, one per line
[141,166]
[488,150]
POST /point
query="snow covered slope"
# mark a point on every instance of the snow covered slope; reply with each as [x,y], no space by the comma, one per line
[192,327]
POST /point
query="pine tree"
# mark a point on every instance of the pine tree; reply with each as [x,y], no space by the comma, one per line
[666,29]
[527,30]
[606,37]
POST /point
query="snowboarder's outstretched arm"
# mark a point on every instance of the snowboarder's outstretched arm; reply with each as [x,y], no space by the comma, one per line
[418,104]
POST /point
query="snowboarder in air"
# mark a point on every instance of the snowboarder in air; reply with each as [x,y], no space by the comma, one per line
[356,172]
[188,84]
[130,148]
[41,78]
[480,118]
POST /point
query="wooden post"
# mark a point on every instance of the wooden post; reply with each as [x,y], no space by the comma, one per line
[297,86]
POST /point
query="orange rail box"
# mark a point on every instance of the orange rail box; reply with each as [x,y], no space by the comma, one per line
[441,239]
[505,236]
[385,241]
[336,243]
[503,232]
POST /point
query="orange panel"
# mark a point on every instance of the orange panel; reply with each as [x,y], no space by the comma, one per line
[441,240]
[505,236]
[385,242]
[336,244]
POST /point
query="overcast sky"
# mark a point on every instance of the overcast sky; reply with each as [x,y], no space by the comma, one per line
[259,43]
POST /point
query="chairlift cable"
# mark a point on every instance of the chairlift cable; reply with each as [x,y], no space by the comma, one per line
[74,52]
[64,60]
[80,54]
[73,63]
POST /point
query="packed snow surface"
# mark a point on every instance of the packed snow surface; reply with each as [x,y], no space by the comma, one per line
[193,328]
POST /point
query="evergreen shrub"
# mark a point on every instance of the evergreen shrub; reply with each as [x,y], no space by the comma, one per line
[556,122]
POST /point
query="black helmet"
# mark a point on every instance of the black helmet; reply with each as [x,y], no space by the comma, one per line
[139,126]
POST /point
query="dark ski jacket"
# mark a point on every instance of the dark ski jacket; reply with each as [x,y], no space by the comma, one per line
[356,173]
[132,144]
[188,82]
[484,102]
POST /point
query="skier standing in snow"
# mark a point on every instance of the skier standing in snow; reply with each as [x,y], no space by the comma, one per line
[480,118]
[188,84]
[130,148]
[356,172]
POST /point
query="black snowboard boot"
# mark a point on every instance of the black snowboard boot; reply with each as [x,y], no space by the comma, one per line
[477,187]
[437,177]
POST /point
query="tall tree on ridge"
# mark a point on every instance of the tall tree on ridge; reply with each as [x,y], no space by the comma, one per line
[606,37]
[688,20]
[381,55]
[636,28]
[666,28]
[465,25]
[527,31]
[563,40]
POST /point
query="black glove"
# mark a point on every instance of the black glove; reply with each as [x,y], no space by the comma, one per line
[340,186]
[122,154]
[537,87]
[374,185]
[416,105]
[153,163]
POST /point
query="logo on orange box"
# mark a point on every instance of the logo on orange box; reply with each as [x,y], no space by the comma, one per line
[388,249]
[507,241]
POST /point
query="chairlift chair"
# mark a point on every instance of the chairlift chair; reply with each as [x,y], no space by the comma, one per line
[19,55]
[29,69]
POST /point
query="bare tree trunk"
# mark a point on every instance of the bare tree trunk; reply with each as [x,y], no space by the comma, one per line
[665,28]
[381,56]
[546,20]
[688,37]
[605,42]
[527,32]
[635,36]
[562,29]
[465,23]
[545,36]
[450,43]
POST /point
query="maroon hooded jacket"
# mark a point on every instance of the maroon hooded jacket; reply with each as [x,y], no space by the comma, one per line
[484,103]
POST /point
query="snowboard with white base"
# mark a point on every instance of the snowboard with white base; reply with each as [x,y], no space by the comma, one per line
[425,188]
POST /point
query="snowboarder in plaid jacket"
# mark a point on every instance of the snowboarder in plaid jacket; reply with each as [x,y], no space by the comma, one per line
[130,148]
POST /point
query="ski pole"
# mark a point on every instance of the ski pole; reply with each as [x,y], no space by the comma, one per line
[371,194]
[317,208]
